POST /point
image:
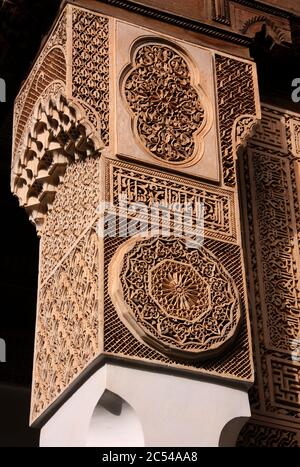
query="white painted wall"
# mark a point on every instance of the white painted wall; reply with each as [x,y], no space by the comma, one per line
[113,419]
[158,410]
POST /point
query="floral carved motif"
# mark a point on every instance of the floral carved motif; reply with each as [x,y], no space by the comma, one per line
[179,300]
[90,67]
[179,290]
[68,329]
[69,321]
[168,113]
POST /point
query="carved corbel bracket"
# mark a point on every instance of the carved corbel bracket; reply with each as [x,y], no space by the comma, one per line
[243,130]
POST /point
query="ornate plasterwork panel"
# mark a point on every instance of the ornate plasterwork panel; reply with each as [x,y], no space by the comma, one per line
[74,211]
[237,97]
[176,128]
[62,111]
[181,301]
[234,360]
[168,112]
[68,330]
[100,105]
[128,185]
[90,67]
[137,184]
[270,165]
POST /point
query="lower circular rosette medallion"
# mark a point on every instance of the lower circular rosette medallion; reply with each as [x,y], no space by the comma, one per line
[176,299]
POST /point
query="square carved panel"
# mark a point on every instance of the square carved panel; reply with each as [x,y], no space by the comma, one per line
[165,103]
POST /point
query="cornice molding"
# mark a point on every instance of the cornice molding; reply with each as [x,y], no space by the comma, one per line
[181,22]
[197,26]
[265,8]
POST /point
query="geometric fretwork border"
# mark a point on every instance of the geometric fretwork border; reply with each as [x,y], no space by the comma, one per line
[269,168]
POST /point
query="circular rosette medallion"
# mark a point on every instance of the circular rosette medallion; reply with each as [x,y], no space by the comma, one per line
[177,299]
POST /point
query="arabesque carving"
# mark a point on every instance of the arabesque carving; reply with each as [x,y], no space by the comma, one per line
[271,193]
[68,304]
[243,130]
[235,362]
[182,307]
[236,98]
[141,185]
[68,317]
[74,210]
[179,300]
[90,66]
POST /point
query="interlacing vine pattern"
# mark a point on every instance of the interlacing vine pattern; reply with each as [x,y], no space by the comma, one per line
[203,312]
[168,111]
[90,66]
[67,334]
[270,167]
[236,97]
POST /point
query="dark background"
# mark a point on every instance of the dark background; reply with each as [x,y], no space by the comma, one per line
[23,23]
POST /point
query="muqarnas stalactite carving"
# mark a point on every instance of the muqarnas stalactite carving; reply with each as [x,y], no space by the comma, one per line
[59,136]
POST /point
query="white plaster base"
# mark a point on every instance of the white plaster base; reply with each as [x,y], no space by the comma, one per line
[157,410]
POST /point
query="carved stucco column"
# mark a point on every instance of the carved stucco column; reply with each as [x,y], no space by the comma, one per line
[112,112]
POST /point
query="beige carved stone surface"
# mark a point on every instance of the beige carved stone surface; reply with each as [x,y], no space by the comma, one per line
[90,67]
[270,165]
[180,300]
[73,212]
[68,326]
[68,320]
[168,112]
[234,362]
[138,184]
[58,137]
[237,96]
[191,313]
[177,127]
